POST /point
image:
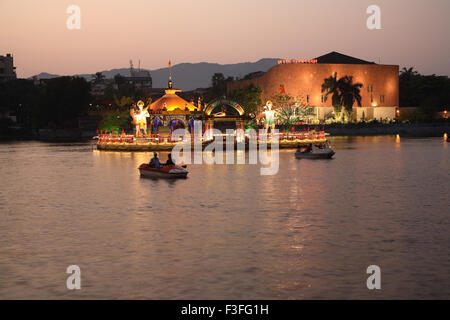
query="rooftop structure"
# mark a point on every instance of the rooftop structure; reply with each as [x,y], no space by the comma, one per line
[7,69]
[171,102]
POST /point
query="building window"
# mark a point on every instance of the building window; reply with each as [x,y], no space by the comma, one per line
[322,99]
[307,98]
[382,98]
[371,88]
[371,98]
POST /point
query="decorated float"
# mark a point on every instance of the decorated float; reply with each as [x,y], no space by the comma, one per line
[155,124]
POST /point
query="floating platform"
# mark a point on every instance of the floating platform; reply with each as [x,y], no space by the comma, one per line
[124,146]
[164,143]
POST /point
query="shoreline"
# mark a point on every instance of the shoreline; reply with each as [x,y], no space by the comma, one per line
[402,130]
[406,130]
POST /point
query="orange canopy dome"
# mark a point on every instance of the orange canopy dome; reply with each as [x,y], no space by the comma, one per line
[170,102]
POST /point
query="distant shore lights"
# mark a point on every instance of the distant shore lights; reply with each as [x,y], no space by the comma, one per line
[293,61]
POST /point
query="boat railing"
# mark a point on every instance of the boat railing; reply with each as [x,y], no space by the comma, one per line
[157,139]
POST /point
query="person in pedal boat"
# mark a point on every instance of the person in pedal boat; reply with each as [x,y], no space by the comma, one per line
[169,160]
[154,162]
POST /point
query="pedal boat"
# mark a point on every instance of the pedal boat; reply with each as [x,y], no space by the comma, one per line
[165,172]
[315,153]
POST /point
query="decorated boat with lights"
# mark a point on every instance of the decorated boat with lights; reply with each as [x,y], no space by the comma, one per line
[157,126]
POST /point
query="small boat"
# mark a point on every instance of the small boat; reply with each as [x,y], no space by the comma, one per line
[170,171]
[316,153]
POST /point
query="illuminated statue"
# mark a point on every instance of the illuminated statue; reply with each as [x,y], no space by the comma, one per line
[270,116]
[140,117]
[222,113]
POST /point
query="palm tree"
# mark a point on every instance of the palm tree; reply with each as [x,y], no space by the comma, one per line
[350,93]
[330,86]
[219,84]
[408,73]
[98,77]
[344,93]
[409,80]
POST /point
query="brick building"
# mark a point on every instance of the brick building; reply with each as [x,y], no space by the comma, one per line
[304,78]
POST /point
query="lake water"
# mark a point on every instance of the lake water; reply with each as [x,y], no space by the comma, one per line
[227,232]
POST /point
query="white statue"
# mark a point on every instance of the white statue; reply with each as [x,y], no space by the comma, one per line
[270,116]
[140,117]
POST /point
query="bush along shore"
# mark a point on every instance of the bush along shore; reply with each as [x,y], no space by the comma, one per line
[432,129]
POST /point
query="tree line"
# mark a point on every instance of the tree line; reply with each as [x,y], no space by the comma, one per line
[53,103]
[430,93]
[58,102]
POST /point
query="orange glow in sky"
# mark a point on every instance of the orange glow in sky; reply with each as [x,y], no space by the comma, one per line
[414,33]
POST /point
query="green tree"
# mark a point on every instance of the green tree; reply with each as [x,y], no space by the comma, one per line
[290,110]
[119,79]
[287,116]
[219,84]
[350,93]
[19,96]
[283,100]
[304,112]
[116,121]
[62,100]
[98,77]
[330,86]
[124,88]
[344,93]
[248,97]
[56,102]
[123,102]
[408,73]
[430,93]
[109,91]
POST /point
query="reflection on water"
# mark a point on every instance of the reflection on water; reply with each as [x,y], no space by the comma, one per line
[227,232]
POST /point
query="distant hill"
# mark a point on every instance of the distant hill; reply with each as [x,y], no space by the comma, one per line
[189,76]
[45,75]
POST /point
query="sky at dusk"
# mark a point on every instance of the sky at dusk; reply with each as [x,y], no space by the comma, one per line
[414,33]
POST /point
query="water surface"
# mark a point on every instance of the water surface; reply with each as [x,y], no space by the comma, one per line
[227,232]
